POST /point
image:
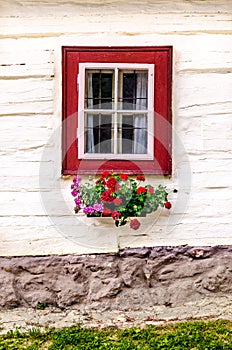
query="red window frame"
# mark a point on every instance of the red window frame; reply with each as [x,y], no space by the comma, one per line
[161,57]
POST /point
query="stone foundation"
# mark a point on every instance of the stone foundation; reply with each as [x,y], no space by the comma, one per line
[133,278]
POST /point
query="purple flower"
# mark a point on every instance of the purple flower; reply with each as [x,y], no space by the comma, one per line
[88,210]
[74,193]
[98,207]
[77,201]
[77,180]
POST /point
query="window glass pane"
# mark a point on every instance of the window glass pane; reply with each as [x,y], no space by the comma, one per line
[98,133]
[140,134]
[94,90]
[141,91]
[106,90]
[127,134]
[133,86]
[105,134]
[133,134]
[128,90]
[99,89]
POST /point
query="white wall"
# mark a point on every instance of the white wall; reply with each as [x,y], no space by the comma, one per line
[36,214]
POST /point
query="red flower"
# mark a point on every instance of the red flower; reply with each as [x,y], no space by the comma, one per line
[135,224]
[101,180]
[115,215]
[106,211]
[106,196]
[111,182]
[117,201]
[105,174]
[151,190]
[140,178]
[167,205]
[141,190]
[124,177]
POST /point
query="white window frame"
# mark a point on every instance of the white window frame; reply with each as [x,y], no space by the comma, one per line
[149,111]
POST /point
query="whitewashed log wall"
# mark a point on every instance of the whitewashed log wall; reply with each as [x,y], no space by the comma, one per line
[36,207]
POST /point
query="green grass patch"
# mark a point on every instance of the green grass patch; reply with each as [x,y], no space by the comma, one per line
[211,335]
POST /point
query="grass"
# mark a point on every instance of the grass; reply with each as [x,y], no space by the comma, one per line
[211,335]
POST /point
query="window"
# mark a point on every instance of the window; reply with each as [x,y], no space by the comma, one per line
[117,109]
[115,101]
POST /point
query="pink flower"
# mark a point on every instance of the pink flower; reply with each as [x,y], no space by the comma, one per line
[151,190]
[134,224]
[77,180]
[98,207]
[77,201]
[74,193]
[88,210]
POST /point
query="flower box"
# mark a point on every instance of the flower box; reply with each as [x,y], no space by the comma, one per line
[119,197]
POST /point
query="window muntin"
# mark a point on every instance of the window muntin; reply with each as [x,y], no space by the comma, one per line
[116,111]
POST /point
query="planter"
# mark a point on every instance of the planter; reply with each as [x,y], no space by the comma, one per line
[106,222]
[117,194]
[97,221]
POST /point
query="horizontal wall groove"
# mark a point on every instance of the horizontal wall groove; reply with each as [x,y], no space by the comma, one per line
[205,70]
[205,104]
[124,33]
[24,114]
[22,77]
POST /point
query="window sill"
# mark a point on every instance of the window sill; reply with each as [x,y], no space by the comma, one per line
[149,167]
